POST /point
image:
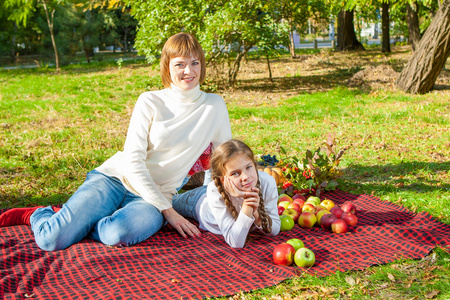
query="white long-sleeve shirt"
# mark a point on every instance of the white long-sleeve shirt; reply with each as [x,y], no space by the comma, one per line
[213,214]
[169,130]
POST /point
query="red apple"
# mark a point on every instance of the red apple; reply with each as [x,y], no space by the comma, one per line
[299,201]
[292,213]
[284,197]
[286,223]
[327,203]
[349,218]
[308,207]
[337,211]
[339,226]
[295,206]
[320,214]
[318,208]
[307,219]
[299,196]
[327,220]
[349,207]
[280,209]
[283,254]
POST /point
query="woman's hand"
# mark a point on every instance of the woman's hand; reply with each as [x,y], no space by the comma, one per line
[181,224]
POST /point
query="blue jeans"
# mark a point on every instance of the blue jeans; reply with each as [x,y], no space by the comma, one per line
[185,203]
[101,209]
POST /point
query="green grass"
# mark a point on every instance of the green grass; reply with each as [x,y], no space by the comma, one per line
[54,128]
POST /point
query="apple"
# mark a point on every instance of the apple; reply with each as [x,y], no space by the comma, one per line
[280,209]
[349,218]
[283,254]
[327,203]
[292,213]
[337,211]
[295,206]
[314,200]
[299,196]
[327,220]
[308,207]
[284,197]
[296,243]
[304,257]
[287,223]
[284,204]
[307,219]
[318,208]
[320,214]
[299,201]
[339,226]
[349,207]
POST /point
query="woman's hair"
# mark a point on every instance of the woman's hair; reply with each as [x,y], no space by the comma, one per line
[220,157]
[181,45]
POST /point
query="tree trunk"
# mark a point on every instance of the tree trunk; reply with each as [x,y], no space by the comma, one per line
[386,41]
[50,26]
[234,70]
[421,71]
[292,44]
[412,15]
[268,66]
[346,38]
[86,50]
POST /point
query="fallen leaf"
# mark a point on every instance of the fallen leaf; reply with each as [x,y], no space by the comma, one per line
[432,294]
[176,281]
[350,280]
[391,277]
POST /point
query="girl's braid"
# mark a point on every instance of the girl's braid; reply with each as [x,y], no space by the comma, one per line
[266,221]
[226,198]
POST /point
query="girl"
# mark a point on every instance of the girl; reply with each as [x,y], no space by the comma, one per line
[238,200]
[128,198]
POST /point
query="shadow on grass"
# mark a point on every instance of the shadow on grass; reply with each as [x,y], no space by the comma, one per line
[10,201]
[417,177]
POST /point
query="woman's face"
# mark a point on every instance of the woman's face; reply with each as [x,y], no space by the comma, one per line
[242,172]
[185,72]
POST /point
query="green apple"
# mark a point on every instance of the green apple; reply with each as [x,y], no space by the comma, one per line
[314,200]
[304,257]
[297,243]
[287,223]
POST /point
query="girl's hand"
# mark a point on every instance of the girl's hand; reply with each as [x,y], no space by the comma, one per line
[251,198]
[182,225]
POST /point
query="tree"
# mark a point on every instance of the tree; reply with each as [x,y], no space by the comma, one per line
[226,29]
[22,9]
[412,15]
[386,40]
[346,37]
[422,70]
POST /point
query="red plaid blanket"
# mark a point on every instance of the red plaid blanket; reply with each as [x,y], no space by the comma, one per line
[169,266]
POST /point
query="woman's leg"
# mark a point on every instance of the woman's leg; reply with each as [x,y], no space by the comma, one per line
[185,203]
[97,197]
[135,222]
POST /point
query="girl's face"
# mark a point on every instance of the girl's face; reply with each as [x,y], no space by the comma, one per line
[185,72]
[242,172]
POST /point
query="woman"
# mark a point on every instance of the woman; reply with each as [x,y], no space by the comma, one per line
[171,134]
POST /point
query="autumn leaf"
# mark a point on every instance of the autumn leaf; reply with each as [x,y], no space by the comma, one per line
[175,281]
[432,294]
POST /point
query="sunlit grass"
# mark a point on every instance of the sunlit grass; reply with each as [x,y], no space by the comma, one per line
[54,128]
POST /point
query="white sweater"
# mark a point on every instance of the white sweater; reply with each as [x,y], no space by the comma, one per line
[213,214]
[169,130]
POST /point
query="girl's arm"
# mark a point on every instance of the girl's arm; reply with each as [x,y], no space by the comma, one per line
[234,231]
